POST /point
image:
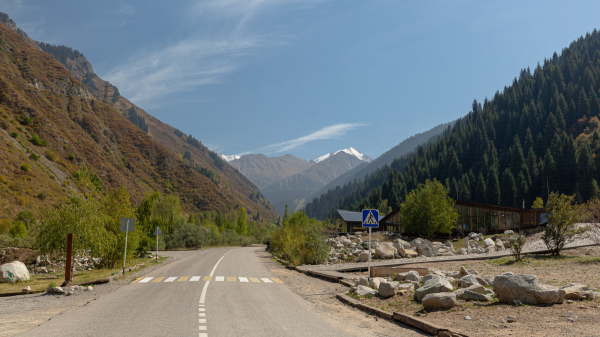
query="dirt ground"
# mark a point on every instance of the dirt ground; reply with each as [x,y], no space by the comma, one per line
[24,255]
[490,319]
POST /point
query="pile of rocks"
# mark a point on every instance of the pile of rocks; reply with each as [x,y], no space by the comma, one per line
[44,265]
[67,291]
[436,291]
[353,248]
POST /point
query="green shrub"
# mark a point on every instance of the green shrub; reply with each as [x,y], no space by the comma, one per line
[36,140]
[71,156]
[300,240]
[25,120]
[34,156]
[3,180]
[51,155]
[14,134]
[26,167]
[18,230]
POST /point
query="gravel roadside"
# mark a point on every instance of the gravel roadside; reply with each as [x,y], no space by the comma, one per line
[22,313]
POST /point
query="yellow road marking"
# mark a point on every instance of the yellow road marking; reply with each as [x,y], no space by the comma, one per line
[183,279]
[207,278]
[276,280]
[230,279]
[137,279]
[252,279]
[158,279]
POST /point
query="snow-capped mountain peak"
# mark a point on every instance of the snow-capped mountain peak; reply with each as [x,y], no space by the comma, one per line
[229,158]
[351,151]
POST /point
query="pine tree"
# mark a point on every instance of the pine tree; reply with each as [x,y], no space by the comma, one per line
[493,187]
[508,191]
[480,190]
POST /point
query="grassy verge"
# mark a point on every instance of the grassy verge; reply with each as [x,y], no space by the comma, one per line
[39,281]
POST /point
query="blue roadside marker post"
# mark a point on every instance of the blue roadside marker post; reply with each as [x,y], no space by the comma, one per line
[370,219]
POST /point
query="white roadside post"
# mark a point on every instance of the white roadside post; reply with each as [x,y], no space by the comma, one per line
[125,228]
[157,232]
[371,220]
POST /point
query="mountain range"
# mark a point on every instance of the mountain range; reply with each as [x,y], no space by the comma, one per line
[51,94]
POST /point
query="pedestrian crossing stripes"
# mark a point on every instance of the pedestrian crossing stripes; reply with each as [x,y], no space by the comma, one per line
[225,279]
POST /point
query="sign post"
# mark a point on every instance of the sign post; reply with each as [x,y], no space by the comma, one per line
[370,220]
[126,227]
[157,232]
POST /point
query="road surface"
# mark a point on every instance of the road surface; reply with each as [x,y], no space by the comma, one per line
[217,292]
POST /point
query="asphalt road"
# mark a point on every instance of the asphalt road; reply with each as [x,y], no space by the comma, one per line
[217,292]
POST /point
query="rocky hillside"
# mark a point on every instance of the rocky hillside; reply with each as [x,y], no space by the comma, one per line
[53,127]
[264,171]
[295,190]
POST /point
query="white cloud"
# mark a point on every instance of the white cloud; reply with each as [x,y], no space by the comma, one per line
[124,9]
[329,132]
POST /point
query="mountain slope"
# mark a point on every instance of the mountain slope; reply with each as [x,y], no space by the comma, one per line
[264,171]
[200,158]
[52,127]
[406,146]
[539,134]
[295,189]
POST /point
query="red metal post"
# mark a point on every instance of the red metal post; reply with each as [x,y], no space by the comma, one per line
[68,276]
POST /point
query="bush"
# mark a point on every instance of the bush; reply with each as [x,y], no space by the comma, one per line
[14,134]
[300,240]
[563,215]
[36,140]
[25,120]
[3,180]
[18,230]
[71,156]
[51,155]
[34,157]
[5,225]
[26,167]
[517,243]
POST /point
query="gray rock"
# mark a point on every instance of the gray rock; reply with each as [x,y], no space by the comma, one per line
[89,288]
[477,288]
[28,288]
[363,291]
[57,290]
[461,251]
[439,301]
[410,287]
[481,280]
[413,276]
[400,276]
[467,281]
[427,249]
[400,249]
[499,244]
[12,272]
[431,288]
[511,319]
[363,281]
[467,318]
[490,249]
[363,257]
[488,242]
[428,279]
[385,250]
[402,243]
[469,295]
[415,243]
[375,281]
[388,288]
[463,271]
[576,291]
[526,289]
[508,232]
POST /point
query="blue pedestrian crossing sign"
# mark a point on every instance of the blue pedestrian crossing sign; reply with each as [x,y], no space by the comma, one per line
[370,218]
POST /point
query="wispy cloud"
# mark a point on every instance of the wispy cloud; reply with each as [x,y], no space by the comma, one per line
[124,9]
[149,75]
[330,132]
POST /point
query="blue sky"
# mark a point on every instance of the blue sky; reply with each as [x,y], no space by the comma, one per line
[307,77]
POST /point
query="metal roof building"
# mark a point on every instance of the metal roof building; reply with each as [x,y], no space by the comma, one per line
[354,219]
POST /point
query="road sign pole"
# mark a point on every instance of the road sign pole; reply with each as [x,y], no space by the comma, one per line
[369,267]
[125,254]
[156,246]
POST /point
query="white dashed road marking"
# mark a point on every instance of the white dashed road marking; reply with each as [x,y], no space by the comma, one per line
[171,279]
[220,278]
[195,278]
[266,280]
[147,279]
[243,279]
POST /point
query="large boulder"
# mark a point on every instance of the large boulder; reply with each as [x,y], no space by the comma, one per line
[431,288]
[346,242]
[469,295]
[400,248]
[385,250]
[402,243]
[488,242]
[461,251]
[375,281]
[467,281]
[413,276]
[432,278]
[400,276]
[527,289]
[499,244]
[12,272]
[363,257]
[415,243]
[463,271]
[478,288]
[576,291]
[363,291]
[363,281]
[410,287]
[388,288]
[439,301]
[410,253]
[427,249]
